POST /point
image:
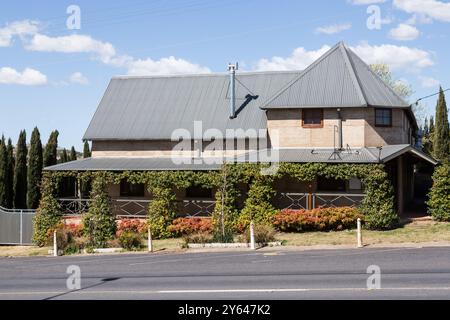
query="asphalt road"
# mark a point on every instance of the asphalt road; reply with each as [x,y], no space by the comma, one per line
[406,273]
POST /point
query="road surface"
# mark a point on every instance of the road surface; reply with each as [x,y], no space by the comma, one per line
[406,273]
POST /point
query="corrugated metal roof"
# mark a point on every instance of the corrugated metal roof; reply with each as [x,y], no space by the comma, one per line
[338,79]
[151,108]
[133,164]
[303,155]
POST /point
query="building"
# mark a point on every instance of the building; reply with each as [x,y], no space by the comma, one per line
[335,111]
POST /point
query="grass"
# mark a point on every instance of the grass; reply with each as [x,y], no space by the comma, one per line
[417,232]
[23,251]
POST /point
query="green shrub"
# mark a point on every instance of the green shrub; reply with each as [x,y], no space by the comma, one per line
[48,214]
[258,206]
[323,219]
[162,211]
[130,240]
[198,237]
[439,196]
[99,223]
[263,234]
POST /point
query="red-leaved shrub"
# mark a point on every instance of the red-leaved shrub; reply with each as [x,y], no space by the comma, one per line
[185,226]
[131,225]
[321,219]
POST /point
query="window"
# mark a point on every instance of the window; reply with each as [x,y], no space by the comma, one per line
[312,118]
[198,192]
[324,184]
[131,190]
[383,117]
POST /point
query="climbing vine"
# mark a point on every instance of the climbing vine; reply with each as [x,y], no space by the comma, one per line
[377,206]
[48,214]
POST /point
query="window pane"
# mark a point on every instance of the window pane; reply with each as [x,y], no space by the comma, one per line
[131,190]
[312,116]
[383,117]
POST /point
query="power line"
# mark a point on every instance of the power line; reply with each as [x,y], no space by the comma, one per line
[429,96]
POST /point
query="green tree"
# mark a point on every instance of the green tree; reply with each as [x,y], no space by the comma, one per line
[50,152]
[441,136]
[9,183]
[383,71]
[439,196]
[20,172]
[99,223]
[35,162]
[73,154]
[3,172]
[86,150]
[64,157]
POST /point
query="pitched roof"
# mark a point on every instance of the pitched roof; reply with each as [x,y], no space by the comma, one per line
[338,79]
[292,155]
[151,108]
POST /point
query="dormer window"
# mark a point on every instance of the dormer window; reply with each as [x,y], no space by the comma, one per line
[312,118]
[383,117]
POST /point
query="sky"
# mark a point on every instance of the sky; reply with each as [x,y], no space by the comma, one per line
[57,57]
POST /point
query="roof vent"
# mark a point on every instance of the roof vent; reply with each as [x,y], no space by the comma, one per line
[232,70]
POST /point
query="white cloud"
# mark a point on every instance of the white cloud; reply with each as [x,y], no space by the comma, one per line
[17,28]
[404,32]
[434,9]
[29,77]
[299,60]
[78,78]
[170,65]
[106,53]
[397,57]
[429,82]
[333,29]
[72,44]
[365,2]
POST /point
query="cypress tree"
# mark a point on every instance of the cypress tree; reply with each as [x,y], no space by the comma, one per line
[20,173]
[426,129]
[64,157]
[35,162]
[73,154]
[441,142]
[3,172]
[50,152]
[431,126]
[9,186]
[86,150]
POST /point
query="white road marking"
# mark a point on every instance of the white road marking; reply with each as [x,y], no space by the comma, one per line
[262,290]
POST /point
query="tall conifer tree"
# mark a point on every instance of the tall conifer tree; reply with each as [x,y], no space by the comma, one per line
[20,173]
[35,162]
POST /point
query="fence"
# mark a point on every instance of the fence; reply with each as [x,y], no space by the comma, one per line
[309,201]
[16,226]
[136,208]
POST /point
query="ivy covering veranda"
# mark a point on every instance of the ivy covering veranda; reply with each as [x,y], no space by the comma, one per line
[377,206]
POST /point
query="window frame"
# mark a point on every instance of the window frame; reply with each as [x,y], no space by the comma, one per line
[307,125]
[190,193]
[127,192]
[390,117]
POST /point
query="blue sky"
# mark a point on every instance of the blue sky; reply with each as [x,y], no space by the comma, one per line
[53,77]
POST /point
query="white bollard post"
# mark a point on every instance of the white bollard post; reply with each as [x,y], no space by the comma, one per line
[252,236]
[150,242]
[55,245]
[359,234]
